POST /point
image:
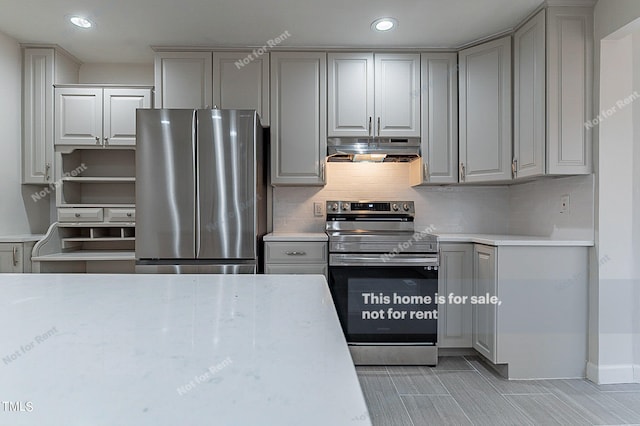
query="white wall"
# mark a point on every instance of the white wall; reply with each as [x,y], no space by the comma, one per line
[534,208]
[448,208]
[614,350]
[18,212]
[636,203]
[117,74]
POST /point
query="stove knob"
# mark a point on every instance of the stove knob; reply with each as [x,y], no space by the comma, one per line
[395,207]
[345,206]
[334,207]
[405,207]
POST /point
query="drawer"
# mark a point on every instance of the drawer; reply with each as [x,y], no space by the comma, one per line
[312,268]
[295,252]
[80,215]
[120,215]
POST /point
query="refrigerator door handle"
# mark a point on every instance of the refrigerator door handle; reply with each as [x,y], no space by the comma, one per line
[196,179]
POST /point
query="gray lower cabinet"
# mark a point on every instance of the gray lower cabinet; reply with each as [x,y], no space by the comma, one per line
[15,257]
[455,280]
[296,257]
[298,118]
[484,315]
[538,323]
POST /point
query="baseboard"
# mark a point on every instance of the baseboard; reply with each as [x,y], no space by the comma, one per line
[613,374]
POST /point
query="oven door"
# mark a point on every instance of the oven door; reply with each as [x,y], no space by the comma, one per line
[385,302]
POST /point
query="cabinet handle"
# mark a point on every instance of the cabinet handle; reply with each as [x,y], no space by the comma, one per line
[378,126]
[425,170]
[514,168]
[296,253]
[97,140]
[47,169]
[77,215]
[462,173]
[15,255]
[322,172]
[370,120]
[129,214]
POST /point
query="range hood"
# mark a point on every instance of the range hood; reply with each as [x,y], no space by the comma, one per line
[376,150]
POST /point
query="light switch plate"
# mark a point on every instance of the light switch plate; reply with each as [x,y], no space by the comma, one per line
[317,209]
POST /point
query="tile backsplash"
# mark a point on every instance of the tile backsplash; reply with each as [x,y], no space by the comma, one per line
[529,209]
[535,208]
[446,208]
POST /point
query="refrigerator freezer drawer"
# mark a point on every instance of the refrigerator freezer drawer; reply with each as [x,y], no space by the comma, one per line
[80,214]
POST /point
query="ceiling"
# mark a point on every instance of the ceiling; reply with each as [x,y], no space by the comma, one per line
[124,29]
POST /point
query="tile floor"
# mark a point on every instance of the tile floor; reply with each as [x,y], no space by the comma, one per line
[464,391]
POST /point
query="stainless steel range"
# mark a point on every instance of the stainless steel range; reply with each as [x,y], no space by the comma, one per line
[383,277]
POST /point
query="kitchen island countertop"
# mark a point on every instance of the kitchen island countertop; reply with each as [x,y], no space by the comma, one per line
[174,349]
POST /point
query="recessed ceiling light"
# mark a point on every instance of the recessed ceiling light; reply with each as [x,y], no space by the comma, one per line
[384,24]
[80,21]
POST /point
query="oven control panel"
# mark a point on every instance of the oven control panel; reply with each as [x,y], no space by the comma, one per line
[371,207]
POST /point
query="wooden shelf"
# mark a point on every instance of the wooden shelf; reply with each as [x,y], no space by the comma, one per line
[99,179]
[87,255]
[116,206]
[96,224]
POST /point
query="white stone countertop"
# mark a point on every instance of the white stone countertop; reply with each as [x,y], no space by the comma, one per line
[20,238]
[510,240]
[106,350]
[296,236]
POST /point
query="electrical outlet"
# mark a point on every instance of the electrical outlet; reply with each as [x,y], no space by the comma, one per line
[564,203]
[317,209]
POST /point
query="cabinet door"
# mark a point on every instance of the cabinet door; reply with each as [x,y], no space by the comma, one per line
[529,109]
[37,116]
[119,114]
[183,80]
[397,95]
[439,98]
[569,90]
[485,112]
[455,277]
[78,116]
[241,85]
[299,118]
[484,315]
[350,94]
[11,257]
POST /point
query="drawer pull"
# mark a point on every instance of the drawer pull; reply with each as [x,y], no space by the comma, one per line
[15,256]
[77,214]
[129,214]
[296,253]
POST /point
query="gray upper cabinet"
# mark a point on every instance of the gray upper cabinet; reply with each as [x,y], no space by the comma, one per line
[569,90]
[485,112]
[397,97]
[299,118]
[374,95]
[42,68]
[439,134]
[183,80]
[241,84]
[350,94]
[529,81]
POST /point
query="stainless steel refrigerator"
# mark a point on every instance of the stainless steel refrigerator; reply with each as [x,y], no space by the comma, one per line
[200,191]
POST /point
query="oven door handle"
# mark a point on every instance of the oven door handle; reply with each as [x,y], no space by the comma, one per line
[388,259]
